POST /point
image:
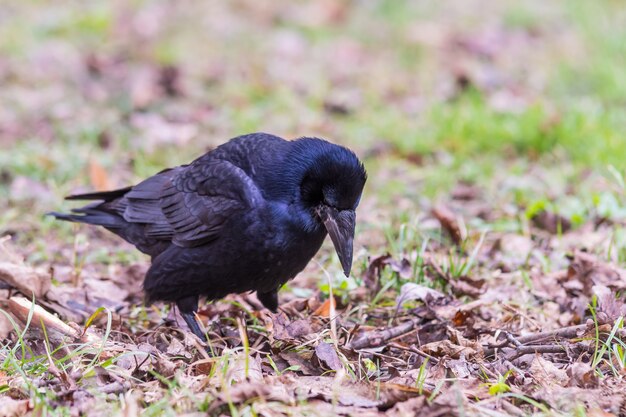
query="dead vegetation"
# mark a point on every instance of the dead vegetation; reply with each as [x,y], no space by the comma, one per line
[488,276]
[486,342]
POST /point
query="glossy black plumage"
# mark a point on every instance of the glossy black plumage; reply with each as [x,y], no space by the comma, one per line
[247,216]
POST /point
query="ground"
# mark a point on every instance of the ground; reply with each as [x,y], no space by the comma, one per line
[488,277]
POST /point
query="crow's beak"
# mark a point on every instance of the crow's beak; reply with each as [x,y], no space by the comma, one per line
[340,227]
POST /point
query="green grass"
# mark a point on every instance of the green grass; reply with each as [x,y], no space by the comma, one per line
[393,62]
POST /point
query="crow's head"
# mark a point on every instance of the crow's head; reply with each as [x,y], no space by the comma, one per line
[331,185]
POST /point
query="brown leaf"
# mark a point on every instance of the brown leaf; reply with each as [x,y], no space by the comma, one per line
[98,176]
[78,303]
[361,395]
[561,398]
[511,250]
[325,308]
[246,392]
[284,329]
[459,312]
[241,393]
[467,286]
[546,374]
[29,281]
[403,268]
[412,291]
[13,408]
[457,338]
[327,355]
[447,404]
[598,412]
[144,89]
[608,304]
[450,222]
[304,365]
[411,407]
[203,366]
[449,349]
[582,375]
[241,367]
[295,306]
[589,271]
[165,367]
[465,192]
[551,222]
[176,348]
[169,80]
[376,266]
[371,278]
[6,326]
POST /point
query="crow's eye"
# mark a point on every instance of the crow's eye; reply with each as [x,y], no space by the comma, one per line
[329,201]
[311,191]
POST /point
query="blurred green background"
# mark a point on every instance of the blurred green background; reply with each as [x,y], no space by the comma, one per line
[510,113]
[98,94]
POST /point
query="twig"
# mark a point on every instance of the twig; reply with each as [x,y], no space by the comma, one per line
[115,388]
[570,332]
[525,350]
[415,350]
[566,333]
[513,340]
[378,337]
[21,308]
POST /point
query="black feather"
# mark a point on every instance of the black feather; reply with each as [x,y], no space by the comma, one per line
[101,195]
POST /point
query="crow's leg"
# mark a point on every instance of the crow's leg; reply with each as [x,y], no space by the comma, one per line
[188,307]
[269,300]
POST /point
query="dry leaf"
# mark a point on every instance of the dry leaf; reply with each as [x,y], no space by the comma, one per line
[376,266]
[241,367]
[359,394]
[447,348]
[327,355]
[284,329]
[325,308]
[589,270]
[411,407]
[21,308]
[546,374]
[551,222]
[467,286]
[411,291]
[13,408]
[303,365]
[451,223]
[582,375]
[372,275]
[465,192]
[29,281]
[598,412]
[98,176]
[561,398]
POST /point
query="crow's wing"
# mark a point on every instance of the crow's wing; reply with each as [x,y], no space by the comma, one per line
[189,205]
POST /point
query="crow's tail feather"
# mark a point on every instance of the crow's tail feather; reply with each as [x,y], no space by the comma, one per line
[91,215]
[100,195]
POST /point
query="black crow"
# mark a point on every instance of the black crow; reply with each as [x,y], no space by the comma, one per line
[246,216]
